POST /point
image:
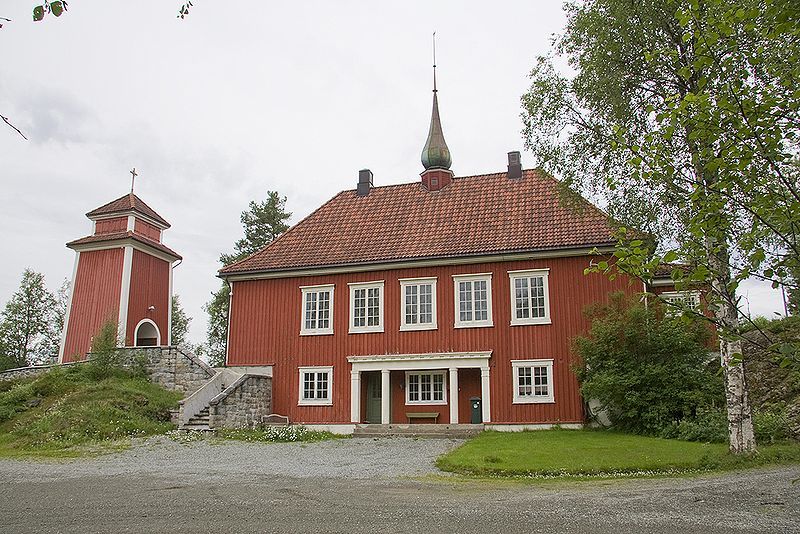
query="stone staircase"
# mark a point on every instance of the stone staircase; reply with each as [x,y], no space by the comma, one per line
[199,421]
[417,431]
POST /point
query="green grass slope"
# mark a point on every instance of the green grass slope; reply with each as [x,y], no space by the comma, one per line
[67,411]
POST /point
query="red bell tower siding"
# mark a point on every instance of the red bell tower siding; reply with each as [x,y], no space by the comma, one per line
[123,273]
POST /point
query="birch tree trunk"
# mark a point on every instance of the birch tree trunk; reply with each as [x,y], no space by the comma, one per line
[740,418]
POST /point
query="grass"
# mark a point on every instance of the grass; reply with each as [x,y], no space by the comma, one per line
[277,434]
[591,454]
[72,412]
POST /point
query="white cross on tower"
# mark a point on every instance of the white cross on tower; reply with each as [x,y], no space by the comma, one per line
[133,178]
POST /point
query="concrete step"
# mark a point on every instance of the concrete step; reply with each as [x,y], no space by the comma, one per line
[196,426]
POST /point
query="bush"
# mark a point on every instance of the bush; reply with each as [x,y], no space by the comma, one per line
[648,370]
[708,426]
[771,424]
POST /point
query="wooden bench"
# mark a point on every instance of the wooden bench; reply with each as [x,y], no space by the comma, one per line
[422,415]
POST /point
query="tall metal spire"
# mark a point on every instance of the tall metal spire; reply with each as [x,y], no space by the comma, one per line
[435,154]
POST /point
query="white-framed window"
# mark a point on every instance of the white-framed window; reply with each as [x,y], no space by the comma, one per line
[426,387]
[317,317]
[316,386]
[473,300]
[366,307]
[533,381]
[677,301]
[418,304]
[530,297]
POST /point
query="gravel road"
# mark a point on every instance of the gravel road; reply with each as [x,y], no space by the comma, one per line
[364,485]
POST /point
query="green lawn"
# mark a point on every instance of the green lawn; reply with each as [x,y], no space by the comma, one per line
[69,412]
[547,453]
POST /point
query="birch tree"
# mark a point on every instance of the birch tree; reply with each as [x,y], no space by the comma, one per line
[26,325]
[682,117]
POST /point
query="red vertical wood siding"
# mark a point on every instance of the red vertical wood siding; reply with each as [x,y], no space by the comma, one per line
[146,229]
[111,226]
[265,326]
[149,287]
[95,299]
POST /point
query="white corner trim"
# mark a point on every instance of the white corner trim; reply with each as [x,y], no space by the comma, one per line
[147,321]
[131,223]
[124,296]
[228,327]
[169,307]
[69,308]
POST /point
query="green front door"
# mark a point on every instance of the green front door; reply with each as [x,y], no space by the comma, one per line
[373,398]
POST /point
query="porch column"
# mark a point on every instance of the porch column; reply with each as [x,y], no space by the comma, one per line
[355,396]
[453,396]
[485,394]
[385,405]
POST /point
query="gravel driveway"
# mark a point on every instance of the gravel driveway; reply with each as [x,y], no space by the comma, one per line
[363,485]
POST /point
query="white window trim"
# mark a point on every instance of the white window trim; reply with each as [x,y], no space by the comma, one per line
[315,402]
[545,274]
[445,393]
[405,282]
[366,285]
[671,307]
[315,331]
[548,363]
[458,323]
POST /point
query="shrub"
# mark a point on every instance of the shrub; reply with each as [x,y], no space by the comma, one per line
[771,424]
[648,370]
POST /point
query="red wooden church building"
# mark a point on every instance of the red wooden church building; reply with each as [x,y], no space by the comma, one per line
[402,303]
[123,273]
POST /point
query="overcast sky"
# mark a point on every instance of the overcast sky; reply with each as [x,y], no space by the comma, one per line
[241,98]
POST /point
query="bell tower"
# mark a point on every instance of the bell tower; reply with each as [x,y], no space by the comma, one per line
[122,273]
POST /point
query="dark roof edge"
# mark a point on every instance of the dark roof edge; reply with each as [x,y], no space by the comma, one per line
[377,265]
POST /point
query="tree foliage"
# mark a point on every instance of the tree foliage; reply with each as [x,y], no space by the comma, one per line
[263,222]
[648,370]
[180,322]
[28,324]
[683,116]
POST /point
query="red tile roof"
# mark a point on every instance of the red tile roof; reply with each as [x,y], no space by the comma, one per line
[124,235]
[125,203]
[475,215]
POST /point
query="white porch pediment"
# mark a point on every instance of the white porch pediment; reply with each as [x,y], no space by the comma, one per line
[408,362]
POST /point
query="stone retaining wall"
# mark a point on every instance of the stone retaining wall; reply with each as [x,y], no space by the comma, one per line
[244,404]
[173,368]
[27,372]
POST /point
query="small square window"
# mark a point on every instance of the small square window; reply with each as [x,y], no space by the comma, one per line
[533,381]
[316,386]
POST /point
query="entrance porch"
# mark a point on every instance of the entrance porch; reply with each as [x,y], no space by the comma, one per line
[408,389]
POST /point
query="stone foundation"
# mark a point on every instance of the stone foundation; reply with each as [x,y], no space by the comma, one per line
[243,404]
[172,368]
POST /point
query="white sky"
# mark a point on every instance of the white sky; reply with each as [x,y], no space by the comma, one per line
[241,98]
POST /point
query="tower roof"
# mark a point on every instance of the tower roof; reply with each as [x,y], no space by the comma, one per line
[127,203]
[435,154]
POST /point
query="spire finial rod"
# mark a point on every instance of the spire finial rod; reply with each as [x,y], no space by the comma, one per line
[434,62]
[134,174]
